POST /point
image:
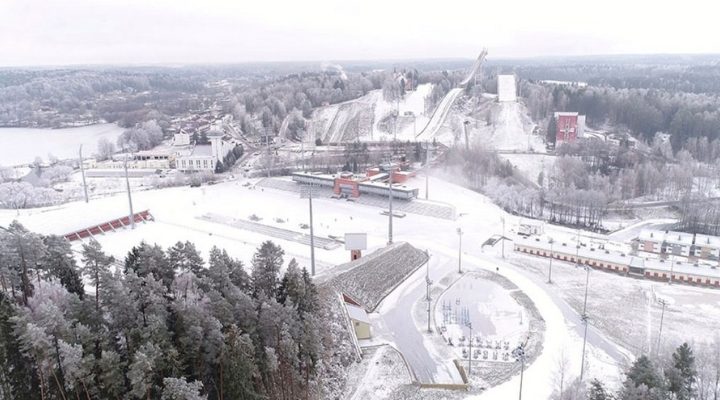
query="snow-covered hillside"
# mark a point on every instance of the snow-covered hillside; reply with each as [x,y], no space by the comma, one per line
[367,118]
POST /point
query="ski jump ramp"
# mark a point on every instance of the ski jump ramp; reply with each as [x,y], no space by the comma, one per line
[443,109]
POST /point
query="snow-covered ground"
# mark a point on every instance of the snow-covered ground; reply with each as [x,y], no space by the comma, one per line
[413,102]
[530,165]
[22,145]
[363,119]
[512,130]
[178,213]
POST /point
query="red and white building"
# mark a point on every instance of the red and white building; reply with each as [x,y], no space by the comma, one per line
[569,125]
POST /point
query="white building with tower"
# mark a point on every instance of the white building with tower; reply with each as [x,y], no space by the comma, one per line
[200,157]
[507,89]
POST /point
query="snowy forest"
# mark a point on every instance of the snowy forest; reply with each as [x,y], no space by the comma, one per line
[680,375]
[161,325]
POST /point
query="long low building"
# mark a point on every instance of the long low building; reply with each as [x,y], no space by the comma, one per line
[620,263]
[354,187]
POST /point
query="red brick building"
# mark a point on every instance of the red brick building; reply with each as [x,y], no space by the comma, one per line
[569,125]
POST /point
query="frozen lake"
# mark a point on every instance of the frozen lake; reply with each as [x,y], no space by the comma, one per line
[22,145]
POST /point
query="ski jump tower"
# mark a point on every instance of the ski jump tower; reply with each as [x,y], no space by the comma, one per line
[475,70]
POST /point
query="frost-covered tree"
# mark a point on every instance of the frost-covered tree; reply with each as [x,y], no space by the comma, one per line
[266,265]
[59,263]
[105,149]
[180,389]
[96,267]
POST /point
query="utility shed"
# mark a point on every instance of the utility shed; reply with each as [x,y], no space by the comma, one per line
[360,321]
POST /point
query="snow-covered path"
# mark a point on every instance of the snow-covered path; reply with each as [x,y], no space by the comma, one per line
[396,322]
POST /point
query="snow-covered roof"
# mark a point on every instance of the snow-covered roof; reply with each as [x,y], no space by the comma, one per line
[621,259]
[707,241]
[565,114]
[651,235]
[681,238]
[357,313]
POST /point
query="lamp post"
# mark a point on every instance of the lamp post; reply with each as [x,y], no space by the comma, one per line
[519,354]
[551,260]
[82,172]
[672,267]
[577,249]
[427,171]
[306,191]
[503,237]
[428,282]
[127,184]
[469,325]
[662,315]
[584,319]
[460,233]
[390,208]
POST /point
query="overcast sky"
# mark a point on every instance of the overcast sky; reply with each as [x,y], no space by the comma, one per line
[59,32]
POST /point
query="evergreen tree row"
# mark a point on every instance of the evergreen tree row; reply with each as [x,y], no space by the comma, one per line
[160,324]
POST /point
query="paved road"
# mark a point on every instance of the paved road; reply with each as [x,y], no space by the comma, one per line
[397,319]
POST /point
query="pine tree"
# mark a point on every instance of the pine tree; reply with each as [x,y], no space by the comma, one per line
[643,372]
[238,371]
[681,376]
[146,259]
[180,389]
[25,252]
[97,267]
[184,257]
[551,134]
[59,263]
[266,265]
[17,380]
[597,391]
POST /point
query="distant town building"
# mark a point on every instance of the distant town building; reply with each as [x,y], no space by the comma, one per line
[682,244]
[507,90]
[569,126]
[203,157]
[181,138]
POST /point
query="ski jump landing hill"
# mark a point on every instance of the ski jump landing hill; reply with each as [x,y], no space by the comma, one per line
[443,109]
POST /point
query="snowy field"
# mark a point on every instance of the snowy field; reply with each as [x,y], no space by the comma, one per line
[628,310]
[178,213]
[22,145]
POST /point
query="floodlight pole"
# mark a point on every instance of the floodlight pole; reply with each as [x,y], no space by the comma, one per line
[428,282]
[460,233]
[390,207]
[551,259]
[585,321]
[312,235]
[267,149]
[127,184]
[427,171]
[662,315]
[82,172]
